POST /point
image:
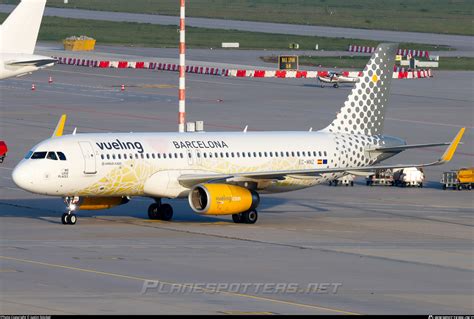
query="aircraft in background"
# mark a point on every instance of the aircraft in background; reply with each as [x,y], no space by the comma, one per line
[335,79]
[221,173]
[18,35]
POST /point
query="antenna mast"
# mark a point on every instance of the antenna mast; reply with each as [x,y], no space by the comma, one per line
[182,70]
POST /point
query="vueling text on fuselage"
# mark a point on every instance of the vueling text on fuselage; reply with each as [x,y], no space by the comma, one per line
[119,145]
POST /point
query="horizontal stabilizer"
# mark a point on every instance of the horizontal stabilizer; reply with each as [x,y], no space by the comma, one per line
[36,62]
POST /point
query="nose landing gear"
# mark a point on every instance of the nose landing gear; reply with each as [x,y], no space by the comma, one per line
[70,218]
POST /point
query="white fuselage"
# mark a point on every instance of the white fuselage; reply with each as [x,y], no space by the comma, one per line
[149,164]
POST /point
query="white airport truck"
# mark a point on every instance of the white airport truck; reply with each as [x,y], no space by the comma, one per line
[405,177]
[347,180]
[409,177]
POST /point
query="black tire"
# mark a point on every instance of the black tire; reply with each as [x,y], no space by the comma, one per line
[250,217]
[71,219]
[444,187]
[469,187]
[459,187]
[64,219]
[237,218]
[421,185]
[166,212]
[330,183]
[352,184]
[153,211]
[367,183]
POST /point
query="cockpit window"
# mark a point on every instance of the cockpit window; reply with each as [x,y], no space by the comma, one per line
[38,155]
[28,155]
[52,156]
[61,156]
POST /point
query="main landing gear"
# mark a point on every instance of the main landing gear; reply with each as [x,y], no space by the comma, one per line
[160,211]
[248,217]
[70,218]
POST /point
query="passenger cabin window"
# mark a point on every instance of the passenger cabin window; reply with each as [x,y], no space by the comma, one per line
[38,155]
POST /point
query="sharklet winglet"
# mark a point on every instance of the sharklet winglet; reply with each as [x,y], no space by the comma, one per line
[448,154]
[58,131]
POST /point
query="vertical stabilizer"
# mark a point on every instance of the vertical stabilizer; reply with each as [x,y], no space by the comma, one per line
[19,32]
[364,110]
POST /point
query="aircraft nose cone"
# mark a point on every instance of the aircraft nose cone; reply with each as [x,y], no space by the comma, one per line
[22,178]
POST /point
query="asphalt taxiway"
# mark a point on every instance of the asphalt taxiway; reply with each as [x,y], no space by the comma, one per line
[392,250]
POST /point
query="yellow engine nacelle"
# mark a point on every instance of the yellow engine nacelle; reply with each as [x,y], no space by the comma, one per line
[96,203]
[222,199]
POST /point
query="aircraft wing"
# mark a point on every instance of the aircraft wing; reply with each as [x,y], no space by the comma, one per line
[399,148]
[33,62]
[189,180]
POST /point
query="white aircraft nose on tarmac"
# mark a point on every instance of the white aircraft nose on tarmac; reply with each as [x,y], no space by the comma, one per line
[24,177]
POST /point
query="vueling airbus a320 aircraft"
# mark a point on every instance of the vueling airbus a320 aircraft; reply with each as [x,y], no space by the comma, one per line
[221,173]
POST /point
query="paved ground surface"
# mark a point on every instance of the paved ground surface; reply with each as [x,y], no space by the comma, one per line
[457,41]
[391,250]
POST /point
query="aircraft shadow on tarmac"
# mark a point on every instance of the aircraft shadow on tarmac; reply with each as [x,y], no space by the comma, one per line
[328,86]
[50,210]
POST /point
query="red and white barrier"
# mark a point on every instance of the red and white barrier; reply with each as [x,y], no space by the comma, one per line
[402,52]
[399,73]
[361,49]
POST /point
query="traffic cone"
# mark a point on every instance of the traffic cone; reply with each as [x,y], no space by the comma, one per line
[33,87]
[122,88]
[50,80]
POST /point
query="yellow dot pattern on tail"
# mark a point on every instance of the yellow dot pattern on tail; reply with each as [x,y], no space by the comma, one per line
[364,110]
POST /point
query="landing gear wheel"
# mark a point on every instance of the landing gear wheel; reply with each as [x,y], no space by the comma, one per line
[153,211]
[166,212]
[71,219]
[237,218]
[250,217]
[64,219]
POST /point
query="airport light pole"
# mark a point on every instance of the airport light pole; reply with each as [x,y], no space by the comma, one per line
[182,70]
